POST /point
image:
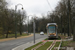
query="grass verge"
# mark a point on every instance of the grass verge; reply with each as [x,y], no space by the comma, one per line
[45,46]
[56,45]
[68,44]
[18,35]
[13,35]
[62,36]
[33,46]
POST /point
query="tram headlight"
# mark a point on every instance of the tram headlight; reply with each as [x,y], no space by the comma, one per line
[54,34]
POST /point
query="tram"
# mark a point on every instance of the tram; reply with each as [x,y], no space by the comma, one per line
[52,30]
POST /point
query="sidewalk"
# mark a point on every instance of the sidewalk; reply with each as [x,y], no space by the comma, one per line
[7,39]
[24,46]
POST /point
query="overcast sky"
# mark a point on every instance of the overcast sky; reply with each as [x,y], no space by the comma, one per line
[32,7]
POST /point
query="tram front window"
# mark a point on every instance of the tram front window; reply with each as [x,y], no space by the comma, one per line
[51,29]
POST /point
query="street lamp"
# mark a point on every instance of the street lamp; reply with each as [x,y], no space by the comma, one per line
[28,23]
[34,28]
[15,18]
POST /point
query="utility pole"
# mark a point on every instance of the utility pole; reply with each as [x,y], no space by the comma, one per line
[34,29]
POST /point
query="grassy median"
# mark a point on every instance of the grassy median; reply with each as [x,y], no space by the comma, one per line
[13,35]
[68,44]
[33,46]
[45,46]
[56,45]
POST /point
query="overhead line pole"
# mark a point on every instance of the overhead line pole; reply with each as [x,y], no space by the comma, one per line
[34,28]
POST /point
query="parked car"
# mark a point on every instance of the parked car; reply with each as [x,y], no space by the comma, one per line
[42,33]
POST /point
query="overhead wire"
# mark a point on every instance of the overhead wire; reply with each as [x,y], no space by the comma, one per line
[49,5]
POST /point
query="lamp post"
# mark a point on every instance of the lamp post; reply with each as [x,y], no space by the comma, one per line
[34,28]
[28,23]
[15,19]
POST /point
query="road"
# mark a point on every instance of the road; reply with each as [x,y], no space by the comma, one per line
[8,45]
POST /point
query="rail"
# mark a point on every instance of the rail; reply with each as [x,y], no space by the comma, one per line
[38,46]
[60,45]
[52,45]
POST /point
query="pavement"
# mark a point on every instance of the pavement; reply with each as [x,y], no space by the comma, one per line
[24,46]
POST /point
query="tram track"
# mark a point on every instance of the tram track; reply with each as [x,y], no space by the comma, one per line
[52,45]
[38,46]
[49,48]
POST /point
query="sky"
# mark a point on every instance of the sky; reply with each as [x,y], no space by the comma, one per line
[34,7]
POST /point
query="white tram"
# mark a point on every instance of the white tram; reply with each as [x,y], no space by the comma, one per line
[52,30]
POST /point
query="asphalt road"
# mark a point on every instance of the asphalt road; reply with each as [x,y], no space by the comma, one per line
[8,45]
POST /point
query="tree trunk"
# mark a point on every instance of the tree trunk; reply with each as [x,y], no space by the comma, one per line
[20,32]
[7,34]
[20,29]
